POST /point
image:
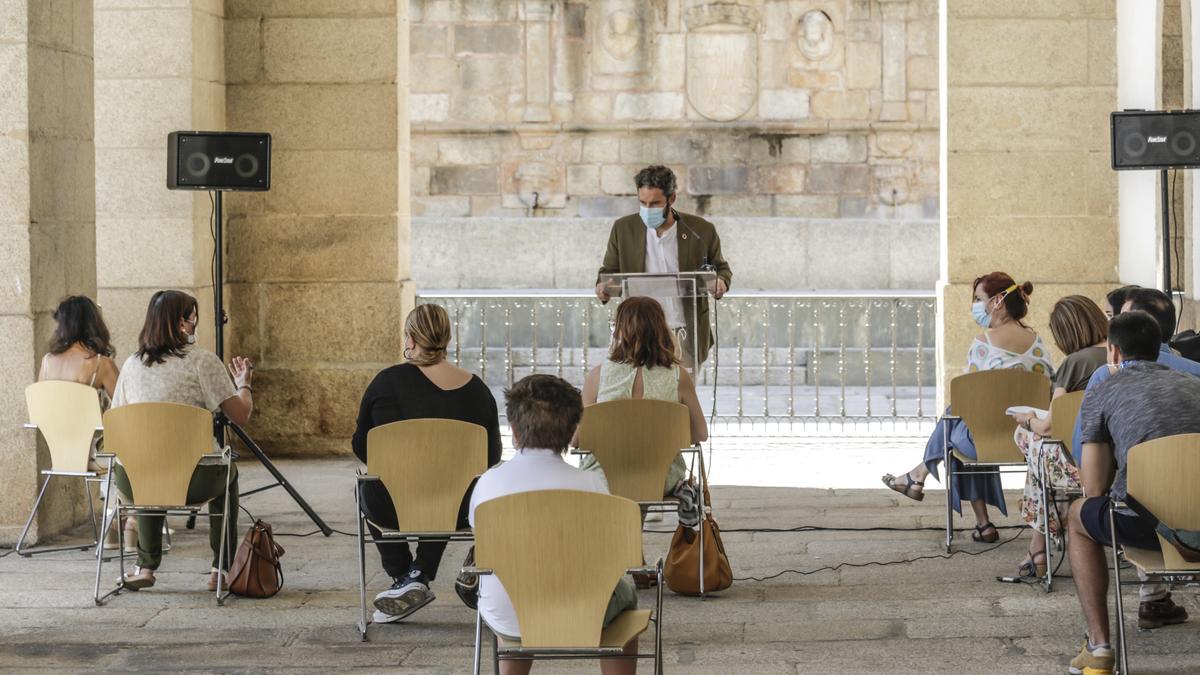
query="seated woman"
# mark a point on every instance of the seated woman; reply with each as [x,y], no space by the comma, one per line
[642,363]
[1080,331]
[425,386]
[168,367]
[1006,342]
[81,351]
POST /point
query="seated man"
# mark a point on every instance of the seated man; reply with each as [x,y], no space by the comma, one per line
[1156,608]
[1142,401]
[543,412]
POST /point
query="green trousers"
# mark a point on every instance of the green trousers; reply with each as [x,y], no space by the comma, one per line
[208,481]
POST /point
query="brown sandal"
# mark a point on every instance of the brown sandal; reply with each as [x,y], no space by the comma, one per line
[979,536]
[908,490]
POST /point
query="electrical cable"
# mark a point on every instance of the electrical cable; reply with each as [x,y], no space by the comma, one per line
[877,563]
[212,231]
[294,534]
[1173,233]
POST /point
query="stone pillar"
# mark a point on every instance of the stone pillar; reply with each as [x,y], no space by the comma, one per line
[47,220]
[158,69]
[404,277]
[537,15]
[1029,187]
[316,265]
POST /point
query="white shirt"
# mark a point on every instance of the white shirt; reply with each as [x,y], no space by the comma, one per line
[662,257]
[529,470]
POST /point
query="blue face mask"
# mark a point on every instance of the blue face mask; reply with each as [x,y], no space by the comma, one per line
[979,313]
[653,218]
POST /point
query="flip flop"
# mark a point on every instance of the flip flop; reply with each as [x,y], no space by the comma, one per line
[908,491]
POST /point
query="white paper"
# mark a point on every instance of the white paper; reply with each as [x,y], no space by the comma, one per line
[1041,414]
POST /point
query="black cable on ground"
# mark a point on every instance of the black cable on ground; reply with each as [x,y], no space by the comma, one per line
[876,563]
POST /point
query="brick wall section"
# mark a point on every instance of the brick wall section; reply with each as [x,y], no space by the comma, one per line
[313,263]
[1029,185]
[847,133]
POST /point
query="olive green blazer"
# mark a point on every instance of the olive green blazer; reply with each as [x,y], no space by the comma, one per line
[698,239]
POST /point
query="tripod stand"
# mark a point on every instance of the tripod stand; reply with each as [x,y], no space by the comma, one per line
[223,423]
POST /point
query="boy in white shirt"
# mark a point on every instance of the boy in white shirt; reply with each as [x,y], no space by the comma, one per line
[543,412]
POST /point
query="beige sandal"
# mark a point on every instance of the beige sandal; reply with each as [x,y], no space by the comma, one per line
[908,490]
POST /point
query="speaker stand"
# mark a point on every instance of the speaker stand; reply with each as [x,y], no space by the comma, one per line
[1166,234]
[221,422]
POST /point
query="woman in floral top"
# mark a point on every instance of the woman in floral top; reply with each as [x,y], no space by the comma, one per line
[1006,342]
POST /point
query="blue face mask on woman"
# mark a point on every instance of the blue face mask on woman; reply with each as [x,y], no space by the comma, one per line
[980,314]
[653,217]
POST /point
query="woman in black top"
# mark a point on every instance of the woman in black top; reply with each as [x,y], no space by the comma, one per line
[425,386]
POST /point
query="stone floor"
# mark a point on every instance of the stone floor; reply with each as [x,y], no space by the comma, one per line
[934,615]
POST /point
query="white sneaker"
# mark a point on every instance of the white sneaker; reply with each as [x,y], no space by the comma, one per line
[380,617]
[406,596]
[654,517]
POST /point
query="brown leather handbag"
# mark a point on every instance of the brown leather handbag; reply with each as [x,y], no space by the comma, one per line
[256,572]
[682,567]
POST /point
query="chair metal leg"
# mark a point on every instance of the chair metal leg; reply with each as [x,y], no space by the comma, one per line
[1121,646]
[495,653]
[222,578]
[362,572]
[948,462]
[478,642]
[700,527]
[658,621]
[100,545]
[1043,484]
[37,503]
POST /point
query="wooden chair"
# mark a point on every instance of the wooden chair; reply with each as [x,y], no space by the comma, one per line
[426,466]
[979,400]
[559,554]
[1163,476]
[68,415]
[1063,412]
[635,441]
[158,446]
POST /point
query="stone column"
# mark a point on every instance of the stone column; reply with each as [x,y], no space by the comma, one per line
[158,69]
[47,228]
[537,15]
[1029,187]
[407,286]
[317,266]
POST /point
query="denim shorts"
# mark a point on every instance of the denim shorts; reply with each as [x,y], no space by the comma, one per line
[1132,530]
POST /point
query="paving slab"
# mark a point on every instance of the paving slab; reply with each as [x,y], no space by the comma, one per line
[938,614]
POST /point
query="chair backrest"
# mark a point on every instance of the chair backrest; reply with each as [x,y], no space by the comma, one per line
[1063,411]
[67,414]
[427,466]
[981,398]
[559,554]
[158,444]
[635,440]
[1164,476]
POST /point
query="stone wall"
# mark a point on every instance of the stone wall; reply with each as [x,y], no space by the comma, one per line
[793,108]
[766,253]
[158,69]
[316,266]
[1029,184]
[47,230]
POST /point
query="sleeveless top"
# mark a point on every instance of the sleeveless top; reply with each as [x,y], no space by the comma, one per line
[983,355]
[616,382]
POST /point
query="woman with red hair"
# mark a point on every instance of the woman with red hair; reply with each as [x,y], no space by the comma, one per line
[999,305]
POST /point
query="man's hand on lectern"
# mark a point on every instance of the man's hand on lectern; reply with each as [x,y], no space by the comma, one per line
[602,292]
[719,288]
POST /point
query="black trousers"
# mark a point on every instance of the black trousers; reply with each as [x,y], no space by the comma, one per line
[397,557]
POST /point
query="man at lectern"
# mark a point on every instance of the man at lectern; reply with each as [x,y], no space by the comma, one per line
[661,240]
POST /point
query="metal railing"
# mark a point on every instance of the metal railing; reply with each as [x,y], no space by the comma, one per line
[787,359]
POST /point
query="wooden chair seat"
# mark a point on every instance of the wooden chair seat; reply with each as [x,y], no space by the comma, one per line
[628,625]
[1158,562]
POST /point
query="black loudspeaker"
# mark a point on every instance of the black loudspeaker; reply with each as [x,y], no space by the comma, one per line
[1155,139]
[218,160]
